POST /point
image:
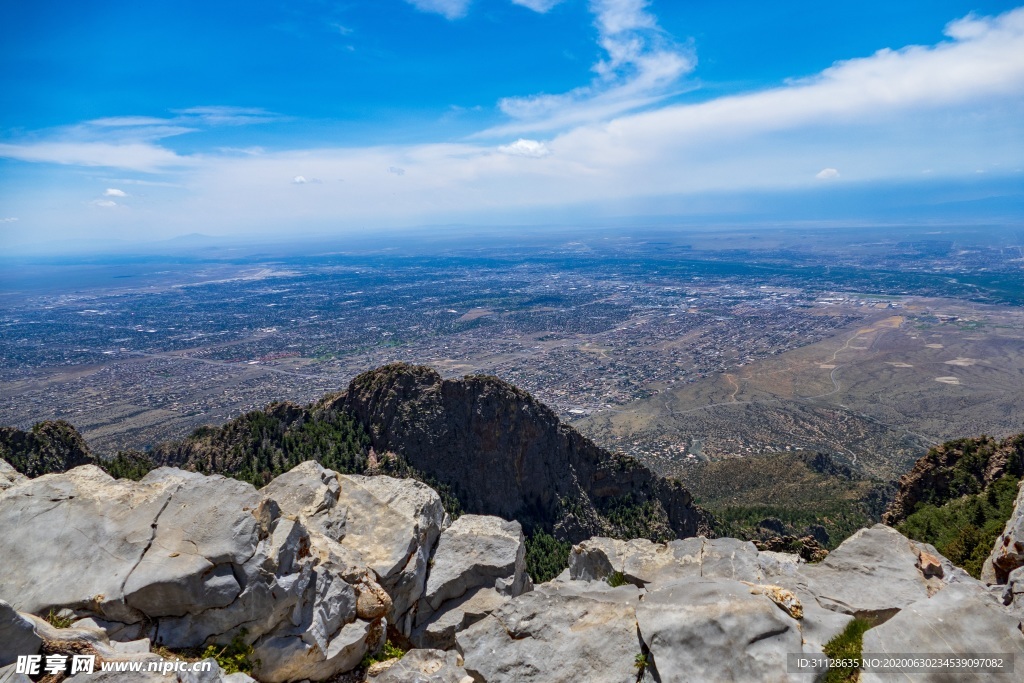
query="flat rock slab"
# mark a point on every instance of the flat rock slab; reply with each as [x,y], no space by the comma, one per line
[872,574]
[960,619]
[717,630]
[425,666]
[643,562]
[558,633]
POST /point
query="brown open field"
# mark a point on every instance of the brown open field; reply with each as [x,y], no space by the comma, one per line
[877,392]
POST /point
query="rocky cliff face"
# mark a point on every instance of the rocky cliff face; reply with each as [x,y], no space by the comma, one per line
[506,454]
[954,469]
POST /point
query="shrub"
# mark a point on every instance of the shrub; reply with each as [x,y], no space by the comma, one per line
[546,556]
[58,621]
[389,651]
[846,645]
[234,657]
[616,579]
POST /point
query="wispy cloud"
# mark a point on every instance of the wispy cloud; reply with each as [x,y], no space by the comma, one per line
[114,192]
[104,203]
[542,6]
[227,116]
[641,65]
[134,156]
[951,108]
[9,219]
[128,142]
[449,9]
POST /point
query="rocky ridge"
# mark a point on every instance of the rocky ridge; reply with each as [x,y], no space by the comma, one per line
[317,569]
[525,463]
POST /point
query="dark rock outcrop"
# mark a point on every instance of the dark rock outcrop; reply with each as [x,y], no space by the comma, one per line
[953,469]
[506,454]
[50,446]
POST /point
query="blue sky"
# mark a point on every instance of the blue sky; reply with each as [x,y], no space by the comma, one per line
[141,121]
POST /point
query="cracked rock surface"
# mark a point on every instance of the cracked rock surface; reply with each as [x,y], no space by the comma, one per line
[315,569]
[189,560]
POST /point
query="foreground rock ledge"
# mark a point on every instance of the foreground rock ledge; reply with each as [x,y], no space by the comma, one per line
[316,568]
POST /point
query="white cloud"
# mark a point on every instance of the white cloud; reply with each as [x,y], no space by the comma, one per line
[951,107]
[105,203]
[135,156]
[449,9]
[526,148]
[641,65]
[9,219]
[114,192]
[299,180]
[227,116]
[542,6]
[827,174]
[128,142]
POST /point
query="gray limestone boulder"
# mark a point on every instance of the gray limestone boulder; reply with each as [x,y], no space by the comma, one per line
[437,629]
[1008,552]
[9,674]
[1012,594]
[713,629]
[9,476]
[873,575]
[642,562]
[391,525]
[425,666]
[309,493]
[559,632]
[17,635]
[476,551]
[478,564]
[191,560]
[960,619]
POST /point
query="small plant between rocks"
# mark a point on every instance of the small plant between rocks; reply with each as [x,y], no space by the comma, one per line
[389,651]
[616,579]
[57,620]
[847,645]
[234,657]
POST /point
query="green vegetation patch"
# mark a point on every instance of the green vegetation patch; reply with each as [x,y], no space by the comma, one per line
[795,490]
[846,645]
[388,651]
[546,556]
[236,656]
[616,579]
[50,446]
[132,465]
[964,530]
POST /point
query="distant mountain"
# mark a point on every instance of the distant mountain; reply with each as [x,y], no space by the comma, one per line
[504,453]
[486,446]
